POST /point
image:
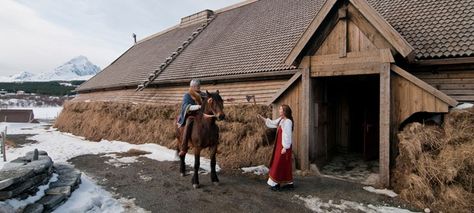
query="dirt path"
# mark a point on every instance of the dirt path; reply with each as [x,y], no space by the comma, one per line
[158,187]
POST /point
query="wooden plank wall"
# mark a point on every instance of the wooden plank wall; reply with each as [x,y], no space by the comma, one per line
[292,98]
[357,40]
[459,84]
[232,93]
[408,98]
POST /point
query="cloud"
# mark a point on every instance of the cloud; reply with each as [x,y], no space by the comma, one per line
[39,35]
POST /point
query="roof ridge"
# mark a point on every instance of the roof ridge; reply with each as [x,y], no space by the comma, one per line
[235,6]
[224,9]
[175,54]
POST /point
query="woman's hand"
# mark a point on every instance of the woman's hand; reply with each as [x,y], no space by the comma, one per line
[283,151]
[260,116]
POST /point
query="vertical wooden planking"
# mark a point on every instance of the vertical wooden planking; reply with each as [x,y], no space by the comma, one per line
[353,37]
[429,102]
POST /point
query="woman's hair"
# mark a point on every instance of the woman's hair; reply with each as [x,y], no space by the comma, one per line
[287,113]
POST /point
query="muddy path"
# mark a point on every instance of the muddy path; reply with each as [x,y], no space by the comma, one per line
[158,187]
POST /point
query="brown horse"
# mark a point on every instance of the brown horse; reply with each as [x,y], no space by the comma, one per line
[204,134]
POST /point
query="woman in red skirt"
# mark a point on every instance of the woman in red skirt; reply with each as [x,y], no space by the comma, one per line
[280,166]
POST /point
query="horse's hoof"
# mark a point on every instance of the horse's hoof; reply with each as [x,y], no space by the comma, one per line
[183,174]
[216,183]
[195,186]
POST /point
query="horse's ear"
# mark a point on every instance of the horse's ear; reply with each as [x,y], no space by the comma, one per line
[217,92]
[208,94]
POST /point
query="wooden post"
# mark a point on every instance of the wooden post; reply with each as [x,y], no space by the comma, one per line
[384,138]
[306,129]
[4,141]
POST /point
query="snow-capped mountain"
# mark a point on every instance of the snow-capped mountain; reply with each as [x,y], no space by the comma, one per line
[23,76]
[78,68]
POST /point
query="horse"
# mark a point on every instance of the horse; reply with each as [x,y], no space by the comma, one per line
[204,134]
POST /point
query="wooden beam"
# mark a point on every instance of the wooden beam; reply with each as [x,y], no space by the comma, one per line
[306,119]
[378,56]
[342,13]
[282,90]
[425,86]
[384,125]
[313,26]
[346,69]
[355,63]
[445,61]
[389,33]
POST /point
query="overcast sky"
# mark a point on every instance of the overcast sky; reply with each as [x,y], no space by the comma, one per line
[39,35]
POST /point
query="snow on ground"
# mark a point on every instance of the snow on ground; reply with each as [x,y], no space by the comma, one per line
[23,128]
[64,146]
[119,162]
[352,167]
[17,204]
[386,192]
[318,205]
[258,170]
[92,198]
[47,113]
[464,106]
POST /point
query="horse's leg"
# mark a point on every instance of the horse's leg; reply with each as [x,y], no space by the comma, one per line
[195,179]
[182,166]
[214,178]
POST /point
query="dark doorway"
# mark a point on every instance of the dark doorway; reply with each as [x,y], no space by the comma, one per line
[348,125]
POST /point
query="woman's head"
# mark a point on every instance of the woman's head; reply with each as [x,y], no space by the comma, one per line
[285,112]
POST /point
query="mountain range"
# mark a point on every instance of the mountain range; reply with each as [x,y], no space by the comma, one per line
[78,68]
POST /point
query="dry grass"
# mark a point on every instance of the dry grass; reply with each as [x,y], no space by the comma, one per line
[435,167]
[242,135]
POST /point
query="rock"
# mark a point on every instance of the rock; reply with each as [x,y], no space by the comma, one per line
[66,190]
[73,183]
[17,189]
[35,155]
[39,166]
[14,176]
[34,208]
[31,153]
[63,168]
[6,208]
[50,202]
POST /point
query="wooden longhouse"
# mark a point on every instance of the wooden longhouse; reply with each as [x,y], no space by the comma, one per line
[352,70]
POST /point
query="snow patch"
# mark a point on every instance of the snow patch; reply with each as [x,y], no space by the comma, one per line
[120,161]
[464,106]
[90,198]
[318,205]
[64,146]
[258,170]
[386,192]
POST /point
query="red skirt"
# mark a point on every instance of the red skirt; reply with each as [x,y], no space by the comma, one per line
[280,165]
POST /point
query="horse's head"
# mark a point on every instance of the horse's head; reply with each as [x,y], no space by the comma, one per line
[215,104]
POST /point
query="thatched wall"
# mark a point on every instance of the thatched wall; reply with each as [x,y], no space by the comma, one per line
[435,167]
[242,136]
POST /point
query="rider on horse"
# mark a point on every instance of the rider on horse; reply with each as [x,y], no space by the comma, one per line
[192,102]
